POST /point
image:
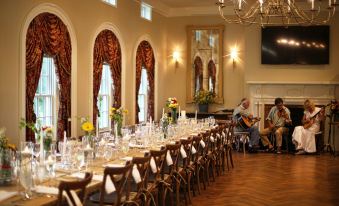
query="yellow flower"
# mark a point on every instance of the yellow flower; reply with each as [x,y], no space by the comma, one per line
[87,126]
[126,111]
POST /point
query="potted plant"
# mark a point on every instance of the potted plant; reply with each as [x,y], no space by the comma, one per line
[172,104]
[203,98]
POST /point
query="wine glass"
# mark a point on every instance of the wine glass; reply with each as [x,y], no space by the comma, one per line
[108,152]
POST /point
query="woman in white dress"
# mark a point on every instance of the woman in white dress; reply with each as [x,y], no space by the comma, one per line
[304,136]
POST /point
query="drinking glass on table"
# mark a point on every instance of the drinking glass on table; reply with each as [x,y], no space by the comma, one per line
[25,171]
[50,161]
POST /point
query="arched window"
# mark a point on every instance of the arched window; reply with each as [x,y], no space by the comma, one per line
[211,76]
[106,76]
[48,41]
[145,63]
[198,71]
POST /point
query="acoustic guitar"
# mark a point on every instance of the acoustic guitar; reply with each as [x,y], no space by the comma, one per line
[246,122]
[311,119]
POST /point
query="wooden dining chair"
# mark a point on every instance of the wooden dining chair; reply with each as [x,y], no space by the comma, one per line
[144,191]
[173,170]
[160,180]
[188,167]
[230,139]
[198,161]
[73,191]
[117,178]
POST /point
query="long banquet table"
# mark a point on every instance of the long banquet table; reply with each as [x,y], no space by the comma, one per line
[97,167]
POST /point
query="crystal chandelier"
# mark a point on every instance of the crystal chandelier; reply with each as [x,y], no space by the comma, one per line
[277,12]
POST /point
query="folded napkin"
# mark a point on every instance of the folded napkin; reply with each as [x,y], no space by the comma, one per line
[136,174]
[183,152]
[5,195]
[212,138]
[169,160]
[202,143]
[153,165]
[109,186]
[46,190]
[193,150]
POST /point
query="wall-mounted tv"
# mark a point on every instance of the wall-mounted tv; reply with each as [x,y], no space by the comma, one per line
[295,45]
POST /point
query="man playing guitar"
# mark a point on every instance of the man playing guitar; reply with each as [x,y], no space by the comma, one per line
[242,111]
[277,118]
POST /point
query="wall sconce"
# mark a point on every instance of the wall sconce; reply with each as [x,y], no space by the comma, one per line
[176,57]
[234,55]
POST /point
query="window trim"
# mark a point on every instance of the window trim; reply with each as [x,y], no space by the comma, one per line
[109,4]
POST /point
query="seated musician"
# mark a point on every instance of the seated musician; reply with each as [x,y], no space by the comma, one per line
[278,116]
[304,136]
[242,110]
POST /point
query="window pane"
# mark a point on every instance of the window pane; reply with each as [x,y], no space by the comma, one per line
[105,94]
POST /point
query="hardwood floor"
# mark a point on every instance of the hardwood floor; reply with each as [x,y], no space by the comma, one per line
[270,179]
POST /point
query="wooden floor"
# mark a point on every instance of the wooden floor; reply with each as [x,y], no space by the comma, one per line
[270,179]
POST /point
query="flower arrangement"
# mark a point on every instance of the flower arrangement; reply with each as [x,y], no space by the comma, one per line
[5,158]
[48,137]
[204,97]
[117,115]
[172,103]
[35,127]
[87,126]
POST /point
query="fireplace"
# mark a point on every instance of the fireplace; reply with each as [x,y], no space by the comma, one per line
[263,93]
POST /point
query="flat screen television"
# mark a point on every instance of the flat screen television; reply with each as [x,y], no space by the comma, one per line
[295,45]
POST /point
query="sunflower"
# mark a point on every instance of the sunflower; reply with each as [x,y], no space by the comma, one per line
[87,127]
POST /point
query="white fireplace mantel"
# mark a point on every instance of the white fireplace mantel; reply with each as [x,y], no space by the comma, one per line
[293,93]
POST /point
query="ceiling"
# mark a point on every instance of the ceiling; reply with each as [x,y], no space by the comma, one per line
[188,3]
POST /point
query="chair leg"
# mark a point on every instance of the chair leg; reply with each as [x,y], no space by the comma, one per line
[197,175]
[177,191]
[230,156]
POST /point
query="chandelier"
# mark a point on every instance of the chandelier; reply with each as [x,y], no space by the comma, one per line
[277,12]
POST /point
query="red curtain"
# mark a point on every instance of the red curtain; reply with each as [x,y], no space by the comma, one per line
[48,35]
[198,70]
[145,58]
[212,73]
[106,49]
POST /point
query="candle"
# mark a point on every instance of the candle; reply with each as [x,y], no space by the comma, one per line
[289,4]
[312,1]
[116,130]
[179,112]
[64,144]
[196,114]
[240,4]
[183,114]
[41,147]
[163,112]
[97,128]
[329,3]
[261,2]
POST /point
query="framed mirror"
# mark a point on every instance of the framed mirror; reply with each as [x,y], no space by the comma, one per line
[204,61]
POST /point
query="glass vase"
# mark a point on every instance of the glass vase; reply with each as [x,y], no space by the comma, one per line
[6,157]
[174,116]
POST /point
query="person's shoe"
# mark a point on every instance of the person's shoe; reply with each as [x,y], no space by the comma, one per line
[279,150]
[300,152]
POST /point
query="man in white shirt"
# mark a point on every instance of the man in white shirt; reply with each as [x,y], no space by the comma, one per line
[277,118]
